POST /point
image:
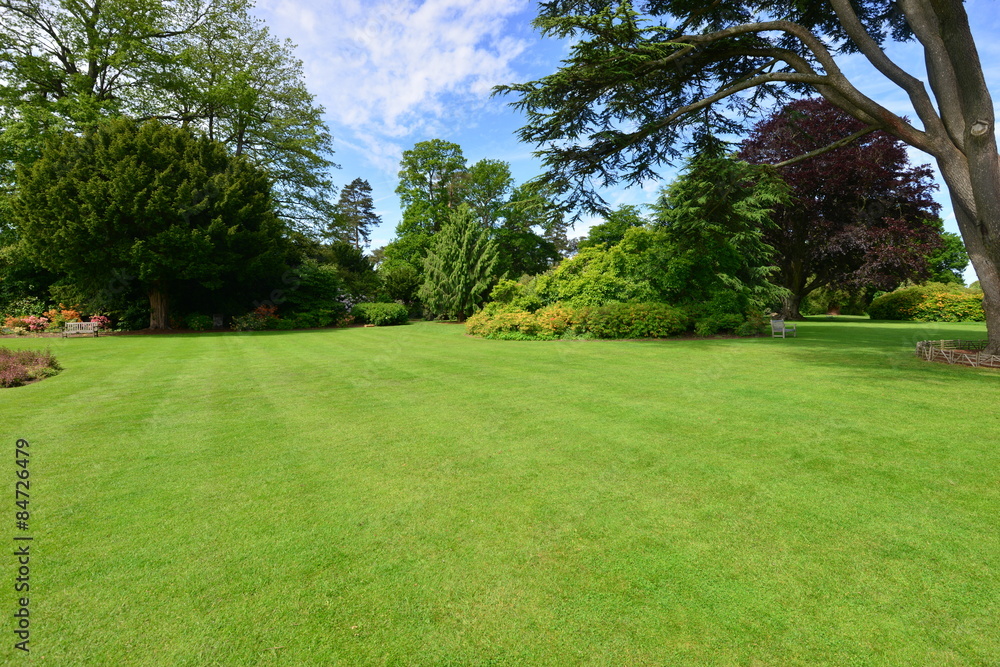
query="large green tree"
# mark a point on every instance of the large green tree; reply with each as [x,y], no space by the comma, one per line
[230,79]
[150,202]
[716,216]
[640,75]
[486,187]
[948,262]
[430,181]
[205,65]
[460,268]
[615,224]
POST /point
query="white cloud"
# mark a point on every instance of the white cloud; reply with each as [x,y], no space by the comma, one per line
[389,70]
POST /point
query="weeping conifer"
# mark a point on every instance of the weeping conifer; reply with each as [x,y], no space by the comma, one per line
[460,268]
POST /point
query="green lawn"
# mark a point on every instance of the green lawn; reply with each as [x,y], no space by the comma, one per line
[409,495]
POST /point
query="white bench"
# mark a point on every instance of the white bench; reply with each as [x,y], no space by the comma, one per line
[778,327]
[80,327]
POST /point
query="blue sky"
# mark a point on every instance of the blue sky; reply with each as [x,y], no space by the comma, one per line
[392,73]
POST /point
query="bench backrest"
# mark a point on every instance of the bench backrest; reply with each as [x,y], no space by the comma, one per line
[777,325]
[82,326]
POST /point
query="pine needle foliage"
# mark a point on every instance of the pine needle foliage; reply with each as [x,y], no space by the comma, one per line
[460,269]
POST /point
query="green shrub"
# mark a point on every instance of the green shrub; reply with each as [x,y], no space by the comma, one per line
[636,320]
[381,314]
[898,305]
[713,324]
[260,318]
[933,302]
[198,322]
[24,306]
[133,316]
[621,320]
[748,329]
[947,307]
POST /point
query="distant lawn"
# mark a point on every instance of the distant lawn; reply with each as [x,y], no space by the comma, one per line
[410,495]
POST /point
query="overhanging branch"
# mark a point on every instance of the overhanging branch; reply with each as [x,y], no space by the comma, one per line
[826,149]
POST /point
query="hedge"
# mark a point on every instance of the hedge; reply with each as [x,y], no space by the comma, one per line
[380,314]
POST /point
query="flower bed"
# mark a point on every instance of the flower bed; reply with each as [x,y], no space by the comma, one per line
[18,367]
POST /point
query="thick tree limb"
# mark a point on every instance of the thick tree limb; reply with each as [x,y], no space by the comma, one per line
[913,87]
[836,87]
[840,143]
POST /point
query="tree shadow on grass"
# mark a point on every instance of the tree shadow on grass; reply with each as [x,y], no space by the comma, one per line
[882,347]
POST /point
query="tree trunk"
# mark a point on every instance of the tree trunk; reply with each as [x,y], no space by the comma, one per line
[158,307]
[967,153]
[790,307]
[795,282]
[986,261]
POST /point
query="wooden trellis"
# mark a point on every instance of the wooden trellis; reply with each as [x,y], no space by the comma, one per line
[965,352]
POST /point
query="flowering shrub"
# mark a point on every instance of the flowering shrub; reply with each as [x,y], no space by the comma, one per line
[103,321]
[623,320]
[945,307]
[18,367]
[59,316]
[557,319]
[31,323]
[36,323]
[930,303]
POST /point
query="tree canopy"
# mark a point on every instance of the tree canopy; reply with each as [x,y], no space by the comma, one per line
[639,76]
[152,203]
[859,214]
[204,65]
[460,267]
[355,214]
[430,176]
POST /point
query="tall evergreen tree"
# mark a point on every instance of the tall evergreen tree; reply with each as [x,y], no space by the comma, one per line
[356,214]
[715,215]
[460,268]
[152,202]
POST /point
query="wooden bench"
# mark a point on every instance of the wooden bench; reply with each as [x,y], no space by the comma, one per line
[80,327]
[779,327]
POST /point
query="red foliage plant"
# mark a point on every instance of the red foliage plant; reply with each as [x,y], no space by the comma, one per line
[860,211]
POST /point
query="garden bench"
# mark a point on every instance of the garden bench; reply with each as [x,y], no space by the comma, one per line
[80,327]
[779,327]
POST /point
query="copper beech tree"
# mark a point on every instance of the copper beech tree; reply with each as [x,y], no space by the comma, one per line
[641,73]
[860,215]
